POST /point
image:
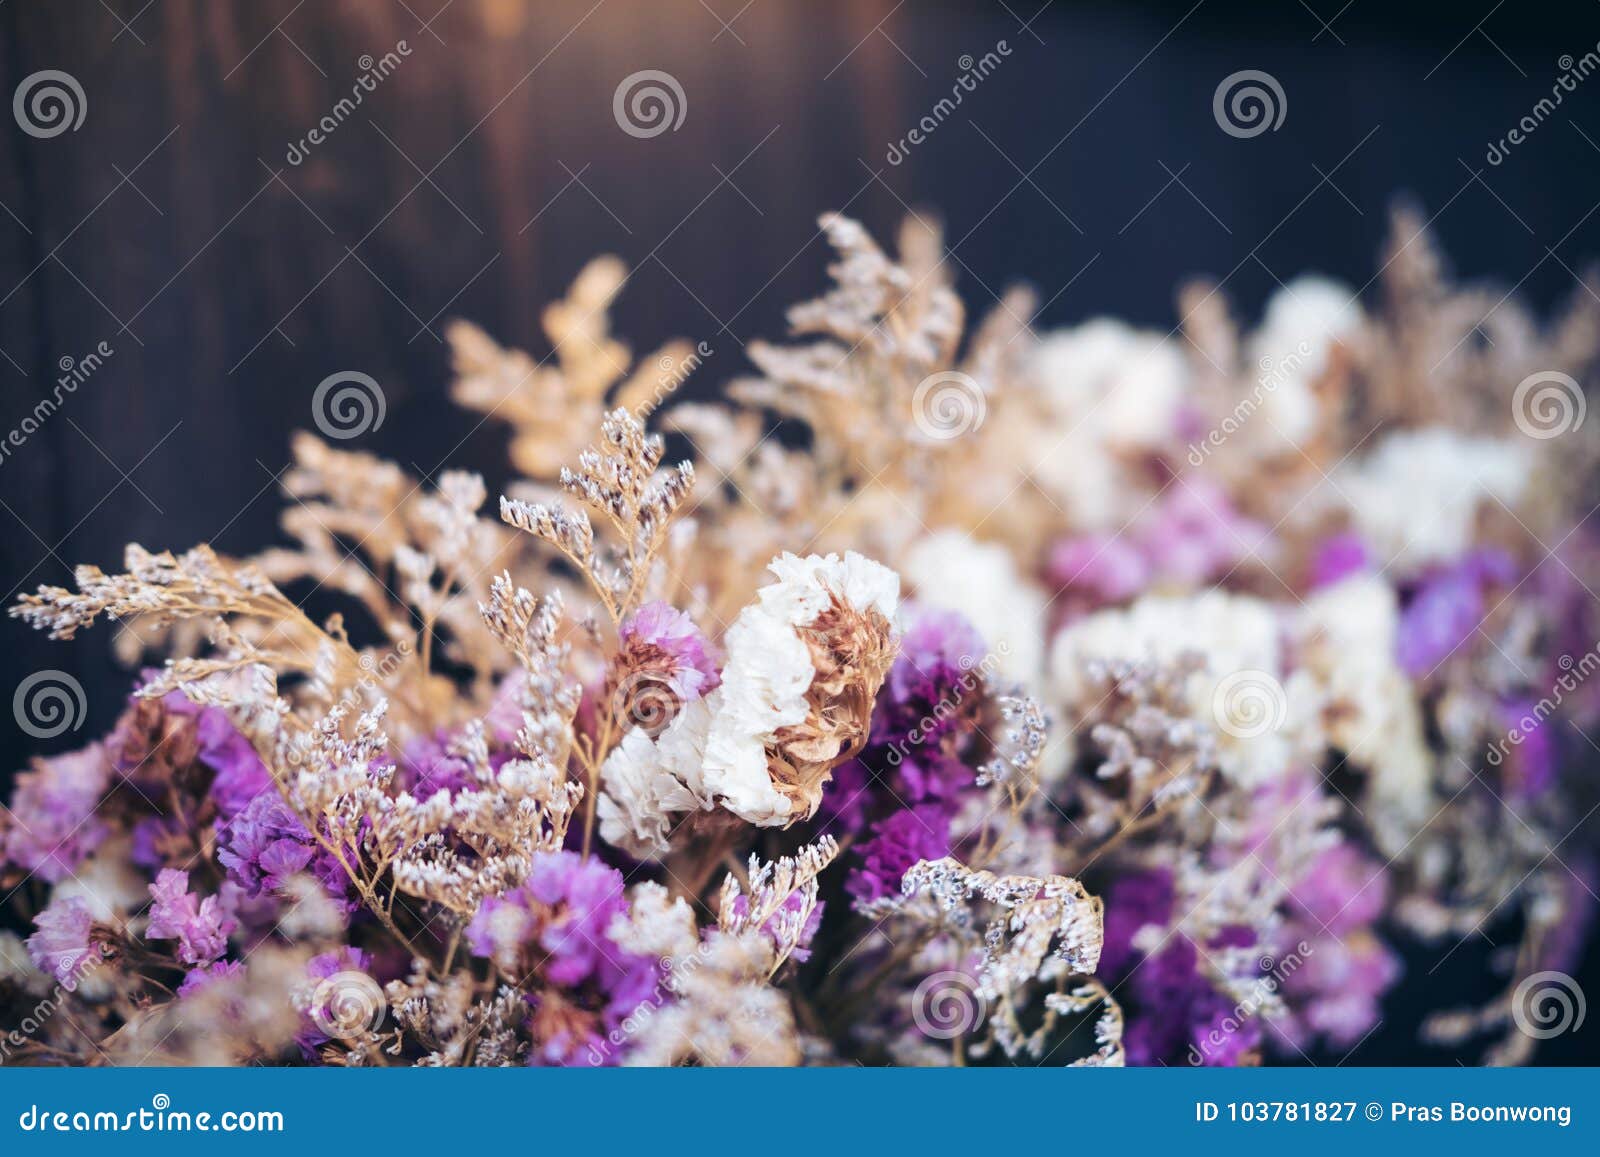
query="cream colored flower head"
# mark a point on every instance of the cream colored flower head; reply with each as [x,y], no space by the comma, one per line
[804,664]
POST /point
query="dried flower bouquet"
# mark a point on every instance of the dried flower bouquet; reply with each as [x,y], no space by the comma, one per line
[1098,697]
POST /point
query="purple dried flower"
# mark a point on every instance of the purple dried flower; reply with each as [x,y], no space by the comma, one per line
[1336,992]
[1110,567]
[158,841]
[427,768]
[267,843]
[53,826]
[1338,557]
[1181,1015]
[897,843]
[793,902]
[201,927]
[657,626]
[1445,608]
[1342,890]
[240,774]
[325,966]
[1529,764]
[565,909]
[908,784]
[199,979]
[1134,901]
[60,946]
[1189,537]
[935,671]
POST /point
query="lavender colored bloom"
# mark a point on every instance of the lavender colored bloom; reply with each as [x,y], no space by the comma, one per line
[564,909]
[53,826]
[897,843]
[60,946]
[240,775]
[1188,538]
[1133,902]
[1529,765]
[1336,993]
[932,675]
[199,979]
[1335,990]
[343,959]
[792,903]
[426,767]
[1181,1015]
[922,720]
[1338,557]
[156,841]
[267,843]
[1342,891]
[325,966]
[1445,608]
[1176,1013]
[201,927]
[659,627]
[1110,567]
[1194,535]
[907,786]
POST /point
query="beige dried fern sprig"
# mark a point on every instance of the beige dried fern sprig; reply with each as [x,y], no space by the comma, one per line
[618,479]
[553,409]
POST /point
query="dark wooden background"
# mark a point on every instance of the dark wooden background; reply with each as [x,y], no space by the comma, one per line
[479,177]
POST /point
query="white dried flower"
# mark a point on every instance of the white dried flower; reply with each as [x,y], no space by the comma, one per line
[1239,639]
[1417,497]
[1293,349]
[980,581]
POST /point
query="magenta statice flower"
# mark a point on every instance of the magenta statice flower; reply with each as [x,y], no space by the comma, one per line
[240,774]
[897,843]
[199,979]
[326,966]
[1191,536]
[1195,534]
[158,840]
[921,723]
[555,927]
[1342,891]
[1340,969]
[1182,1017]
[1338,557]
[1446,606]
[267,843]
[658,628]
[1111,568]
[1528,765]
[792,903]
[201,927]
[60,944]
[343,959]
[1137,900]
[905,788]
[427,768]
[933,677]
[1176,1013]
[1336,991]
[53,825]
